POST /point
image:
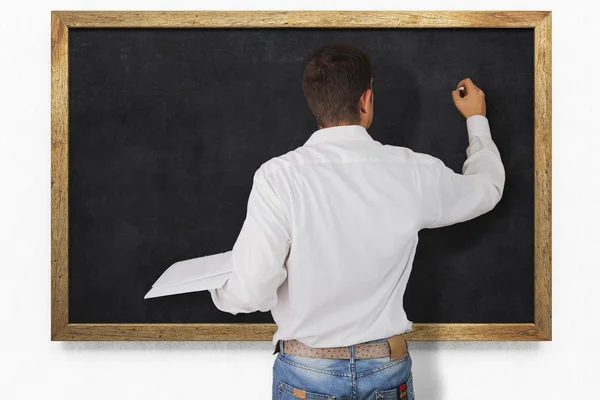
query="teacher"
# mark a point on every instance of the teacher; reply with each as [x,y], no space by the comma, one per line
[331,232]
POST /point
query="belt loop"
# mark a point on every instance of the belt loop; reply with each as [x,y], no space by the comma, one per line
[398,346]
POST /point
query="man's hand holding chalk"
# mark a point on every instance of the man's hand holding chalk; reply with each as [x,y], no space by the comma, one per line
[469,99]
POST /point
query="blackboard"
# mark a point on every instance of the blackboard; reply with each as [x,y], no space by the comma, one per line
[166,127]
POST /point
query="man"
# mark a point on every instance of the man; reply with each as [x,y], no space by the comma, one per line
[331,232]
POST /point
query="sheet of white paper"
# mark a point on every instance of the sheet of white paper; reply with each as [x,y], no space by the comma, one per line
[195,269]
[212,282]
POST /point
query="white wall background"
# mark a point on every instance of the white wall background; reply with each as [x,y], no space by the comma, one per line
[34,367]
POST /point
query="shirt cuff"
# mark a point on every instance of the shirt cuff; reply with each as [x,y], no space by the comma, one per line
[478,125]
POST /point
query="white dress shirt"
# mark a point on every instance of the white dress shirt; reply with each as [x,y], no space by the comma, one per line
[332,228]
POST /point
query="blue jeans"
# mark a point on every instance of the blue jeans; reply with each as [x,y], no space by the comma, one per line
[339,379]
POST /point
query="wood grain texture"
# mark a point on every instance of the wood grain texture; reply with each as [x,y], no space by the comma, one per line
[61,21]
[301,19]
[543,175]
[264,332]
[59,168]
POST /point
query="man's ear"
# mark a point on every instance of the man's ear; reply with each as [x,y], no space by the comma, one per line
[365,99]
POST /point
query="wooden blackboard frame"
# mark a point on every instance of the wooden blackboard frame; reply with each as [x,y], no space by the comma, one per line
[62,21]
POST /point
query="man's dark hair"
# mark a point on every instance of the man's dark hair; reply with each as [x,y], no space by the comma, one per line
[333,80]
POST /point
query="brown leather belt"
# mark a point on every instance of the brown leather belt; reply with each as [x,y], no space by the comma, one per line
[394,347]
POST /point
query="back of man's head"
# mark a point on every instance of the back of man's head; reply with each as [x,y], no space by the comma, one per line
[333,80]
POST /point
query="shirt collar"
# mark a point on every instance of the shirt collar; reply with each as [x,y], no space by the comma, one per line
[339,133]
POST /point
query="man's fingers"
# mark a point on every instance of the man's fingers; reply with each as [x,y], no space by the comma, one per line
[456,95]
[467,83]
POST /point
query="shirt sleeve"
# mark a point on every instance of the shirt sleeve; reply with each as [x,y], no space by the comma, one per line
[258,256]
[461,197]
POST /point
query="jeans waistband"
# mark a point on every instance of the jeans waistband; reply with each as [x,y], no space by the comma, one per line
[279,344]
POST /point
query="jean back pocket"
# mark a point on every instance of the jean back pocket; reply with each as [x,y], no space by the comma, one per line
[403,392]
[288,392]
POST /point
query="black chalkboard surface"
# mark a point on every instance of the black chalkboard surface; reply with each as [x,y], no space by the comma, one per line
[167,126]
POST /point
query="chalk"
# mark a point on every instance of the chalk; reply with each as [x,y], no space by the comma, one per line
[461,88]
